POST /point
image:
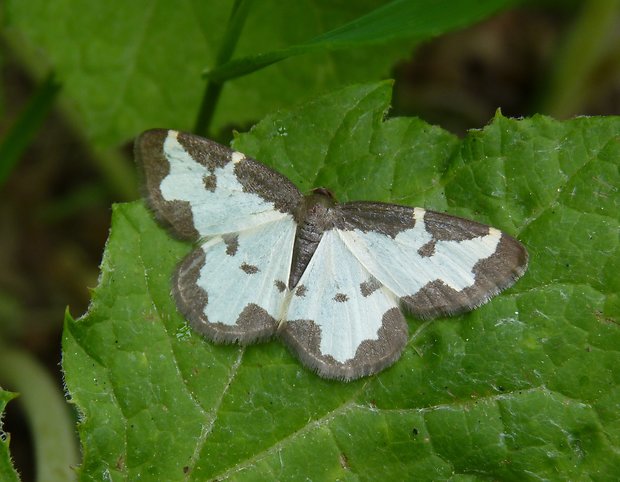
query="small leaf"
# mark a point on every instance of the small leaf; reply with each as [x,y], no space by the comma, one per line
[7,472]
[523,387]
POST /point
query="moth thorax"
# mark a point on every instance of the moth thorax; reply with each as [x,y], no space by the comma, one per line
[315,216]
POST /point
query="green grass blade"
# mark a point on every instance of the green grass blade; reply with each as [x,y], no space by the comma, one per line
[26,126]
[419,20]
[584,47]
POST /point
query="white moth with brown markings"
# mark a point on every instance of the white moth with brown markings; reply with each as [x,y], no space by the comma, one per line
[329,279]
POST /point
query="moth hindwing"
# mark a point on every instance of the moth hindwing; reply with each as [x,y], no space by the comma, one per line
[331,280]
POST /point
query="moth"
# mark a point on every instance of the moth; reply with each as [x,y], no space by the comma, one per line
[331,280]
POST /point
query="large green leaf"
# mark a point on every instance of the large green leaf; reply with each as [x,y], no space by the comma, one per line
[525,387]
[129,66]
[7,472]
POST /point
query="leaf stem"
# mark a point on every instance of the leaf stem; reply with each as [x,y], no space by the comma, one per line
[51,425]
[213,89]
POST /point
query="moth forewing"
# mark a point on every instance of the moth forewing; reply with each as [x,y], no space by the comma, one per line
[438,264]
[201,189]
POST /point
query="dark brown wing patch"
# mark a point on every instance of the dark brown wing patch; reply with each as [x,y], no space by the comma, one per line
[303,337]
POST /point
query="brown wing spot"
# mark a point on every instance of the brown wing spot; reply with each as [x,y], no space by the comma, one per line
[444,227]
[232,244]
[204,151]
[210,182]
[341,298]
[369,287]
[280,285]
[301,291]
[249,268]
[428,249]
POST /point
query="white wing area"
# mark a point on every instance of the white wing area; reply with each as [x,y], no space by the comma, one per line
[332,299]
[227,208]
[397,263]
[233,281]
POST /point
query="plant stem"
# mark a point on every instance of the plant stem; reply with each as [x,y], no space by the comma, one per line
[213,90]
[577,58]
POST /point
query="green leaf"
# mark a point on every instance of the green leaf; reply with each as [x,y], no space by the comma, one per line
[398,19]
[129,66]
[525,387]
[7,472]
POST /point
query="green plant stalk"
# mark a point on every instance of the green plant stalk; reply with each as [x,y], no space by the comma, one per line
[51,425]
[26,126]
[582,50]
[213,89]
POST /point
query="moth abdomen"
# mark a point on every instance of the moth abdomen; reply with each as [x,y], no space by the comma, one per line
[316,215]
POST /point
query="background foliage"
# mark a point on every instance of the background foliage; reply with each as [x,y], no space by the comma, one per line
[126,75]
